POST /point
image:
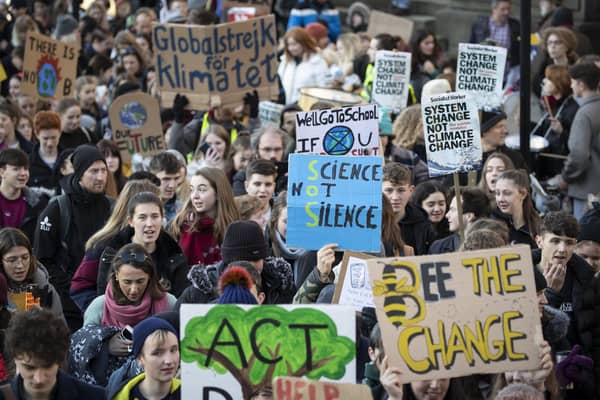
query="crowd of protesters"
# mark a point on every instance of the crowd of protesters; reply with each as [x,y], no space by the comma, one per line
[107,252]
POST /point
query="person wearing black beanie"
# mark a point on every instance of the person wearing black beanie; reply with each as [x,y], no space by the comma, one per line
[588,240]
[70,220]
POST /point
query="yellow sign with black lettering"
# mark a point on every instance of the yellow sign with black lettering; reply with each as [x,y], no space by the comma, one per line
[458,314]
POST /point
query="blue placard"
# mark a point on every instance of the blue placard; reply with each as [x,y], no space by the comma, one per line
[334,199]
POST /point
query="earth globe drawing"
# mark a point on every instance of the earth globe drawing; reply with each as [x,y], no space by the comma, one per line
[338,141]
[133,115]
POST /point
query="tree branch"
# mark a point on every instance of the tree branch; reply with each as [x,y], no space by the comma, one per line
[244,380]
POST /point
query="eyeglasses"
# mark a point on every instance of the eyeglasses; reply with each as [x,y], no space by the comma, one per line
[271,149]
[24,259]
[128,51]
[138,257]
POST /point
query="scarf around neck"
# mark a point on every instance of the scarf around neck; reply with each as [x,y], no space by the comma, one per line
[114,314]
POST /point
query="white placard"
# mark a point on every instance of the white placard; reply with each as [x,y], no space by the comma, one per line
[480,72]
[230,351]
[452,133]
[392,77]
[348,131]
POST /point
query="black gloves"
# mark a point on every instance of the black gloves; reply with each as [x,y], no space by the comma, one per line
[179,104]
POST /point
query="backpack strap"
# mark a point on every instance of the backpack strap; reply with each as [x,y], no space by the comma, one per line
[64,211]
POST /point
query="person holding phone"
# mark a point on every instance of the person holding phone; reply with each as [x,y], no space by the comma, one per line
[213,151]
[133,293]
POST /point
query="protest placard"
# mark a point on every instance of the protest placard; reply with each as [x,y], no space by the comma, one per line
[269,113]
[136,125]
[231,351]
[392,77]
[354,287]
[352,131]
[216,61]
[452,133]
[334,199]
[458,314]
[480,72]
[382,22]
[49,67]
[287,388]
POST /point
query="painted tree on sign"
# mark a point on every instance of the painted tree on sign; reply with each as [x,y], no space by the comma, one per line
[260,343]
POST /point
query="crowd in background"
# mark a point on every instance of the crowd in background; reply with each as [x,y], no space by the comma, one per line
[109,251]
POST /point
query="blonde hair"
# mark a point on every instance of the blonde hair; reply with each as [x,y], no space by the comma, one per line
[118,218]
[350,42]
[406,127]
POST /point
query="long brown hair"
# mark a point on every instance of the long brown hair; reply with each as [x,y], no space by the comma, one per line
[154,287]
[225,210]
[390,230]
[12,237]
[520,178]
[508,165]
[118,218]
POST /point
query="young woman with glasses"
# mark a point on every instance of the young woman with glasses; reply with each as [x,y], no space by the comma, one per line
[27,279]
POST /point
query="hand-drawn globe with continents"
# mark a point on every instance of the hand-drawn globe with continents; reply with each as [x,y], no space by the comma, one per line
[133,115]
[338,141]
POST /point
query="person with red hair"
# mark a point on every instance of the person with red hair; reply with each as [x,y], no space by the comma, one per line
[42,160]
[301,65]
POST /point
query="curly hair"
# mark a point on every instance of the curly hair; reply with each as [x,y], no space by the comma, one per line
[406,127]
[40,334]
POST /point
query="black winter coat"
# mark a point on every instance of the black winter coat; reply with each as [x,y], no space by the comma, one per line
[67,388]
[522,235]
[89,213]
[42,178]
[35,204]
[277,283]
[417,231]
[170,261]
[580,297]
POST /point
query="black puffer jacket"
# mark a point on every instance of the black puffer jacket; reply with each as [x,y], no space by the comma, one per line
[580,299]
[170,262]
[277,281]
[522,235]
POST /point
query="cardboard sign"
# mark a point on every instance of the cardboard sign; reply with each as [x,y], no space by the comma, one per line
[269,113]
[352,131]
[49,67]
[381,22]
[136,125]
[458,314]
[354,287]
[392,77]
[480,72]
[229,351]
[452,133]
[217,63]
[259,7]
[334,200]
[286,388]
